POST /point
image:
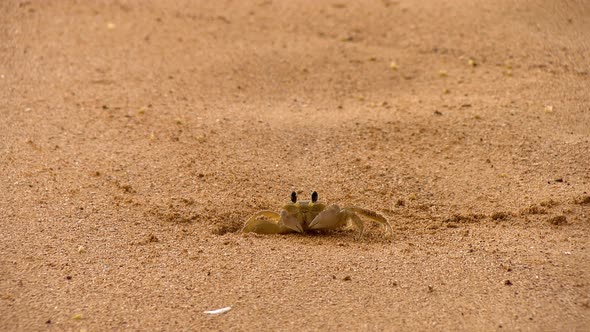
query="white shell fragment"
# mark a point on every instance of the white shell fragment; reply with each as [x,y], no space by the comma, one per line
[218,311]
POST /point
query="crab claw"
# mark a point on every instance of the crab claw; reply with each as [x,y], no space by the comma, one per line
[291,222]
[327,219]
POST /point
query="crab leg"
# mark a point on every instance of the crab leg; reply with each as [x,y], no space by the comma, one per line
[357,222]
[271,225]
[373,216]
[334,217]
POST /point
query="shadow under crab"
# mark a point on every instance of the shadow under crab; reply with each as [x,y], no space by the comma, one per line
[305,216]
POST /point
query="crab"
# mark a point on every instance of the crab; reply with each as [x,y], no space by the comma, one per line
[303,216]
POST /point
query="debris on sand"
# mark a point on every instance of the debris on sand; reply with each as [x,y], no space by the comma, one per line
[558,220]
[464,219]
[584,199]
[217,311]
[534,209]
[549,203]
[500,215]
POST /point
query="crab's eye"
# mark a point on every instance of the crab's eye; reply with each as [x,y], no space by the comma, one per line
[314,196]
[293,197]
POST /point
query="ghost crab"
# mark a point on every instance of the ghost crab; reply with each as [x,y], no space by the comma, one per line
[302,216]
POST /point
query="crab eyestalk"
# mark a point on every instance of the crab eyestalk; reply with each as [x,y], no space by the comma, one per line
[293,197]
[314,196]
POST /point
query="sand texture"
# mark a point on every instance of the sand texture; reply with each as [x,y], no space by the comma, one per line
[136,137]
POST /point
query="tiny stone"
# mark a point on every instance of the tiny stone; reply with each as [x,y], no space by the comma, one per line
[585,199]
[558,220]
